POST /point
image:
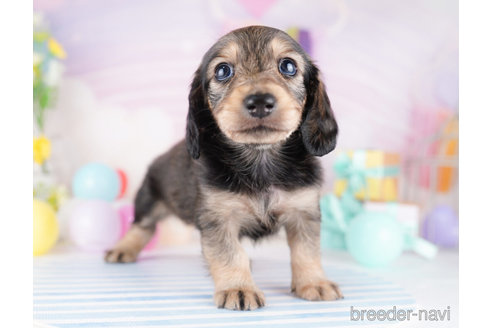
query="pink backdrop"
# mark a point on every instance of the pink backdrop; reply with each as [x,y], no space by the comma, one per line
[390,68]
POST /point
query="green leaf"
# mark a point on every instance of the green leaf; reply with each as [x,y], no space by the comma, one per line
[44,96]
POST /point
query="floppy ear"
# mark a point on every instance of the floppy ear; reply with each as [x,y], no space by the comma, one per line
[196,100]
[319,129]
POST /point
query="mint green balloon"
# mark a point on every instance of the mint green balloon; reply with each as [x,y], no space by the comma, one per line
[374,239]
[96,181]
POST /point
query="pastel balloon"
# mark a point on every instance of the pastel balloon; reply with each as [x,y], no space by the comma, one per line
[45,227]
[153,242]
[126,217]
[95,225]
[123,182]
[96,181]
[441,227]
[374,239]
[63,216]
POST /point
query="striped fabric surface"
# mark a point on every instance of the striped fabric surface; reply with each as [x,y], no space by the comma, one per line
[172,290]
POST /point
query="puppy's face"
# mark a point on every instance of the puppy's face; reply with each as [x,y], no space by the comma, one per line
[260,86]
[256,87]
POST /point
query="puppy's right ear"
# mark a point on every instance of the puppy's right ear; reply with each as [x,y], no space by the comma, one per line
[197,104]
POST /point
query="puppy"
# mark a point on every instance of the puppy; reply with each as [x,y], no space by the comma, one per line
[258,117]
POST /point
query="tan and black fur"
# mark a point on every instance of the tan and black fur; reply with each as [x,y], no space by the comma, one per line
[238,175]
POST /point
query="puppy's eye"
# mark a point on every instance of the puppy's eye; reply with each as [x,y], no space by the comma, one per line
[287,67]
[223,72]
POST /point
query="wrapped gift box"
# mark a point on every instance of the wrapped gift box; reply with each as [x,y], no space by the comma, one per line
[381,170]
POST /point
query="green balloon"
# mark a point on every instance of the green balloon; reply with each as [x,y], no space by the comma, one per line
[374,239]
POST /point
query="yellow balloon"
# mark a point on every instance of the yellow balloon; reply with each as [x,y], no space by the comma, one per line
[45,227]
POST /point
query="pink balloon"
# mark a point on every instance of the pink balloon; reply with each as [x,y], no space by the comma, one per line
[127,213]
[153,242]
[126,217]
[94,225]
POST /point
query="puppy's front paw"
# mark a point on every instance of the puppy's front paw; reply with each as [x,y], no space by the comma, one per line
[323,290]
[120,255]
[240,299]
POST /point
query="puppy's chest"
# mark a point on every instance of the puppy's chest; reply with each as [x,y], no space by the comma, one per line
[263,213]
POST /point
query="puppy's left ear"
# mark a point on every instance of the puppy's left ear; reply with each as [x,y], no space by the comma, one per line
[197,104]
[319,129]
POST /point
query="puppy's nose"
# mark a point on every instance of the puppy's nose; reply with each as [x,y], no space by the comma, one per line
[260,105]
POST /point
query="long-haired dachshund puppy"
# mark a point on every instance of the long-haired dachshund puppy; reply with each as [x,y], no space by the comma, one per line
[258,118]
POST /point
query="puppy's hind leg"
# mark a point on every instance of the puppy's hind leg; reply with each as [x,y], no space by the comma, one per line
[148,211]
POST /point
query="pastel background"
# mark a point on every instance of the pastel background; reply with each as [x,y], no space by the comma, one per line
[390,67]
[117,75]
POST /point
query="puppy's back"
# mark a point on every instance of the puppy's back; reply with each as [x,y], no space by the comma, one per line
[172,179]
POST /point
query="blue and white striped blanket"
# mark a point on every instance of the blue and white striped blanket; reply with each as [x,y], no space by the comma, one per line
[77,290]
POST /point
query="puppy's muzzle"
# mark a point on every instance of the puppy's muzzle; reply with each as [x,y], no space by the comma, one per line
[260,105]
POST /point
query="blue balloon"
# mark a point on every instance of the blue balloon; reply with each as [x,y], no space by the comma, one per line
[96,181]
[374,239]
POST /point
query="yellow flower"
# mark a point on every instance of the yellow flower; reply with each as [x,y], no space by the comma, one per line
[42,149]
[56,49]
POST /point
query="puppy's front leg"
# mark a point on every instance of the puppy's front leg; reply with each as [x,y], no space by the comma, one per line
[308,278]
[229,267]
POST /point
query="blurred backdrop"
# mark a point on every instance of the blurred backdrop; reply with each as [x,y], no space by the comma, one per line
[390,68]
